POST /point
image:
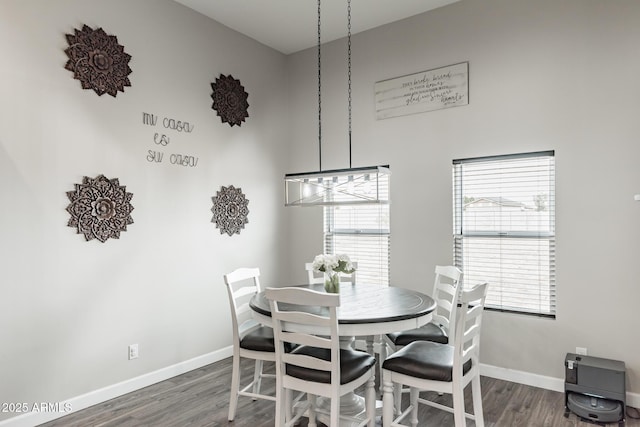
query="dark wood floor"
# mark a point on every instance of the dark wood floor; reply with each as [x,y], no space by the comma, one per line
[200,398]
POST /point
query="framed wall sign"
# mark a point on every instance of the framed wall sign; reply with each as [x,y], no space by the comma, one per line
[430,90]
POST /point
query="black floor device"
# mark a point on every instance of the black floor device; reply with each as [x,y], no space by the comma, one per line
[594,388]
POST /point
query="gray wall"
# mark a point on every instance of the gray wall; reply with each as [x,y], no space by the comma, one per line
[544,75]
[70,308]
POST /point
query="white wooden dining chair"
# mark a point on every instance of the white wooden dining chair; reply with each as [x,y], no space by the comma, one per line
[250,339]
[446,291]
[444,368]
[317,366]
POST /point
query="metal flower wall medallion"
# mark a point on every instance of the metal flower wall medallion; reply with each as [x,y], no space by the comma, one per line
[98,61]
[100,208]
[230,210]
[230,100]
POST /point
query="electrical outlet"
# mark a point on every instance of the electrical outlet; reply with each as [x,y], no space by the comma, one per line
[581,350]
[133,351]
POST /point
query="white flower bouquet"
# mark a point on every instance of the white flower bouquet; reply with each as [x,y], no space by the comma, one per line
[331,265]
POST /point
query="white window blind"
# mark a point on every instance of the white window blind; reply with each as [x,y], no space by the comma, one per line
[504,229]
[362,232]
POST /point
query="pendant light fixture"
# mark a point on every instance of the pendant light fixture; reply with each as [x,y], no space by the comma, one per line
[361,185]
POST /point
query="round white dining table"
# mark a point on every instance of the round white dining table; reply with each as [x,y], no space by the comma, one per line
[365,310]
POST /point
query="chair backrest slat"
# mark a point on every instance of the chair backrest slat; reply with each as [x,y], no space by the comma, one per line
[243,314]
[244,306]
[304,318]
[302,297]
[244,291]
[307,362]
[244,273]
[445,296]
[306,339]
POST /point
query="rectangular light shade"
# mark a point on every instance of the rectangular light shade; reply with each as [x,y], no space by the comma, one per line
[364,185]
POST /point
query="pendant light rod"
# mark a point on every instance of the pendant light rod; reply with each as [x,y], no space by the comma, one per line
[349,70]
[320,82]
[319,96]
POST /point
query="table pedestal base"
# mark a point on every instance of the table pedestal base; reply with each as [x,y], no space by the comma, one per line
[351,405]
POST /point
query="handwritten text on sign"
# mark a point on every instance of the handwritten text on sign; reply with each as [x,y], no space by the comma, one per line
[426,91]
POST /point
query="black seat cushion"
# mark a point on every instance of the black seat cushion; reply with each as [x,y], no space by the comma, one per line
[353,364]
[428,332]
[260,339]
[426,360]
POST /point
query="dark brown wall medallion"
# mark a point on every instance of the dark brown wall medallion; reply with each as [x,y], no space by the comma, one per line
[230,100]
[100,208]
[230,210]
[98,61]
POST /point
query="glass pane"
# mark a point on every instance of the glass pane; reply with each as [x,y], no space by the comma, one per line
[507,196]
[520,271]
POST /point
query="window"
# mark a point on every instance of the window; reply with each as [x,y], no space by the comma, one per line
[362,232]
[504,229]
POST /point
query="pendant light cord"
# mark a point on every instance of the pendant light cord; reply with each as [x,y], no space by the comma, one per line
[349,70]
[319,97]
[320,83]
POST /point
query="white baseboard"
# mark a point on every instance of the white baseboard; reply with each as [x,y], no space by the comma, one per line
[540,381]
[521,377]
[84,401]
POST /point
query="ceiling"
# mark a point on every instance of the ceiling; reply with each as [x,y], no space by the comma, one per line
[292,25]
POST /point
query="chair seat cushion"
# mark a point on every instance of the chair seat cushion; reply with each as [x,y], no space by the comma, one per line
[426,360]
[428,332]
[353,364]
[259,339]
